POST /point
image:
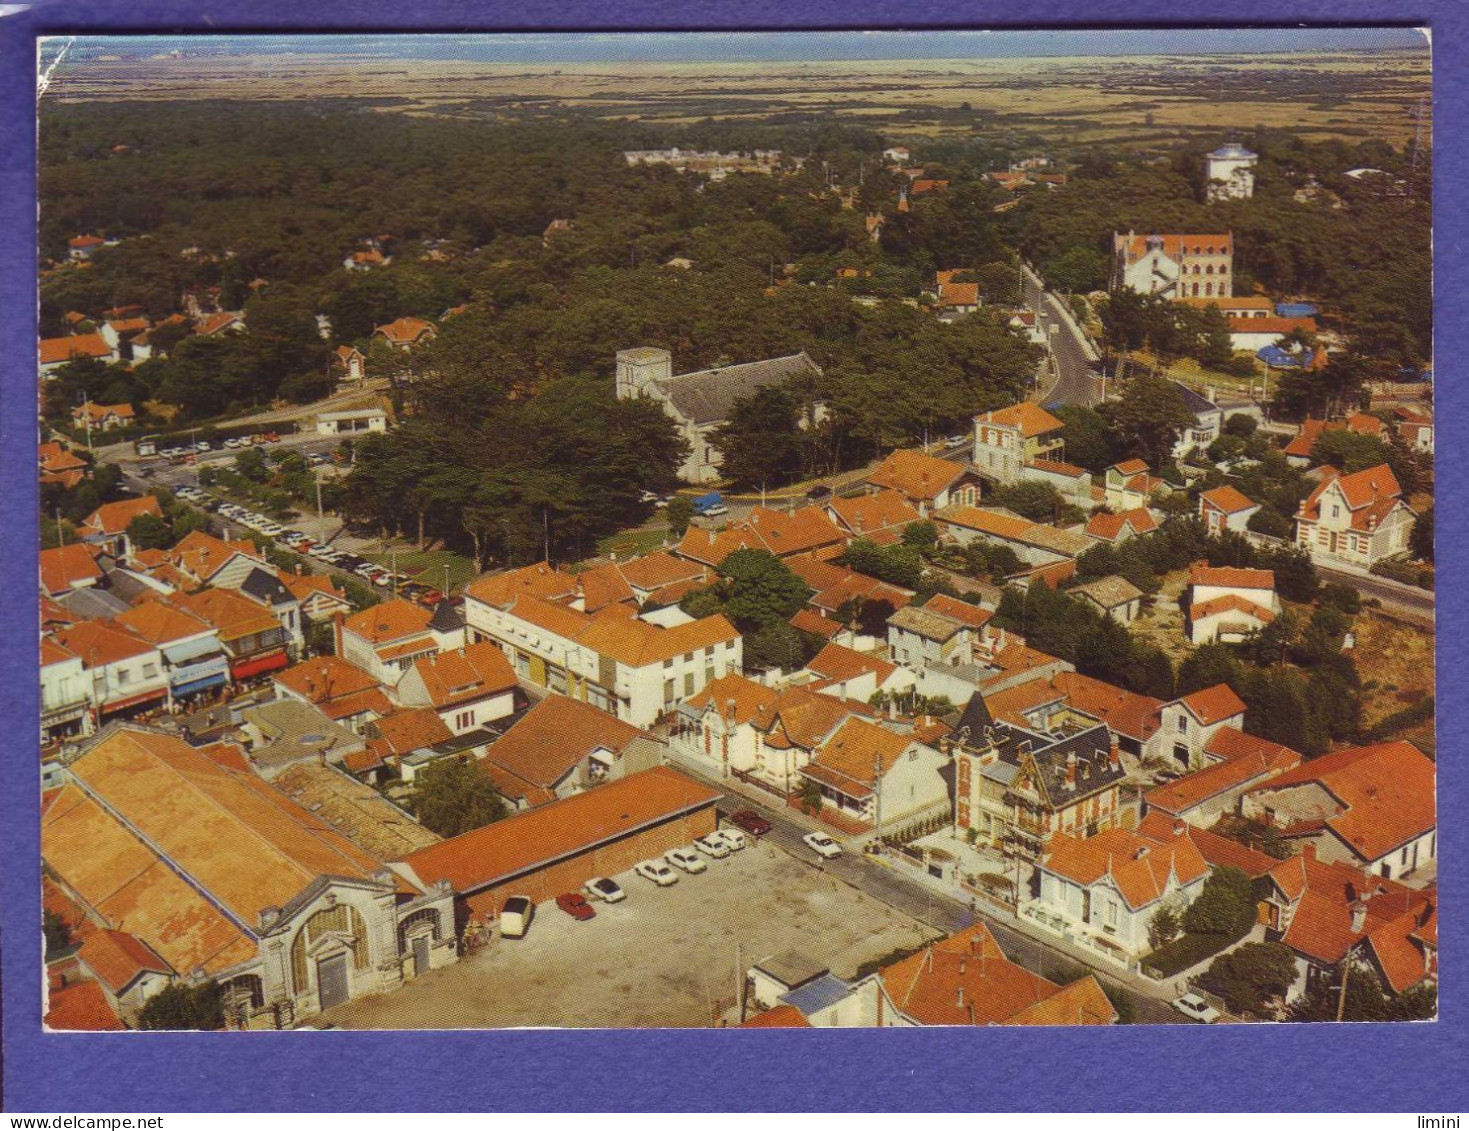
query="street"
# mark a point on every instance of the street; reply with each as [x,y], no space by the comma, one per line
[1407,601]
[1070,352]
[945,914]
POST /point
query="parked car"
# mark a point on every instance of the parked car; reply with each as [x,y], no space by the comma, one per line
[316,459]
[751,822]
[822,845]
[686,860]
[1192,1005]
[819,493]
[657,871]
[732,839]
[515,916]
[232,442]
[575,904]
[608,891]
[713,845]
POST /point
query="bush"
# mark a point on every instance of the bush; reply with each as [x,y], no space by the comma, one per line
[1396,570]
[1185,951]
[1252,976]
[178,1006]
[1342,597]
[1226,906]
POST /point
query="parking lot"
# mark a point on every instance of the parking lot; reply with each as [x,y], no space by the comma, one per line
[664,957]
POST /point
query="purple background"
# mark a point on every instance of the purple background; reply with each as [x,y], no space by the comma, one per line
[1255,1068]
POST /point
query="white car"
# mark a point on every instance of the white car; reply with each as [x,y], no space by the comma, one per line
[712,845]
[608,891]
[657,871]
[515,917]
[686,860]
[732,839]
[1195,1007]
[232,442]
[822,845]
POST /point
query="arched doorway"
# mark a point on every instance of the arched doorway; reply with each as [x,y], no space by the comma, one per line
[329,945]
[417,934]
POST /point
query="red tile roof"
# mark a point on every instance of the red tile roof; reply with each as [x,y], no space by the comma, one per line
[405,331]
[1230,603]
[405,730]
[867,513]
[958,294]
[538,580]
[118,959]
[100,642]
[840,663]
[1109,526]
[462,675]
[389,622]
[113,518]
[1369,494]
[795,533]
[735,697]
[62,566]
[848,759]
[1226,499]
[1250,766]
[533,839]
[1228,577]
[781,1017]
[52,350]
[1140,866]
[1218,851]
[916,475]
[81,1007]
[555,736]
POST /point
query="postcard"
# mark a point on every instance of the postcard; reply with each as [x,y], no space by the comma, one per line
[739,530]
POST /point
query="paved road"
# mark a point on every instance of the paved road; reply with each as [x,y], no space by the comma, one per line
[943,913]
[1066,344]
[1407,601]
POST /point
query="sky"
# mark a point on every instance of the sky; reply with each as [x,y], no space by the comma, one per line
[576,47]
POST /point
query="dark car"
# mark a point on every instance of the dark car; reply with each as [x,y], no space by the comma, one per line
[575,904]
[819,492]
[751,822]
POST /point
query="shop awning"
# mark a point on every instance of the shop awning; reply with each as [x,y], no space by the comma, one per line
[256,665]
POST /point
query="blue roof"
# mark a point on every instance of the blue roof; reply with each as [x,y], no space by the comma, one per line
[1296,309]
[818,994]
[1281,358]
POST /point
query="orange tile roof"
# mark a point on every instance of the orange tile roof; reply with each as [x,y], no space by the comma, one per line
[304,586]
[538,580]
[1057,467]
[849,758]
[637,643]
[1135,245]
[389,622]
[1241,324]
[1400,950]
[659,569]
[161,623]
[53,350]
[407,729]
[81,1007]
[405,330]
[802,718]
[1217,851]
[915,474]
[322,679]
[1370,488]
[993,523]
[1125,712]
[1230,742]
[603,585]
[1029,418]
[1230,603]
[1212,704]
[530,840]
[214,323]
[958,294]
[118,959]
[735,696]
[781,1017]
[1139,865]
[972,615]
[553,737]
[1109,526]
[234,616]
[795,533]
[712,546]
[1239,302]
[63,565]
[1012,704]
[1322,895]
[462,675]
[966,979]
[53,653]
[809,620]
[867,513]
[204,555]
[100,642]
[1191,790]
[837,662]
[1229,577]
[113,518]
[563,621]
[1227,499]
[1386,791]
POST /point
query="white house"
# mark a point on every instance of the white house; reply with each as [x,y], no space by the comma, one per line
[865,772]
[468,687]
[1188,725]
[126,672]
[1208,423]
[387,639]
[1225,603]
[353,420]
[1226,508]
[66,699]
[1104,890]
[944,631]
[1231,172]
[1358,519]
[1174,266]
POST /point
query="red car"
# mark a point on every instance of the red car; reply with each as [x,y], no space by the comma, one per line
[751,822]
[575,904]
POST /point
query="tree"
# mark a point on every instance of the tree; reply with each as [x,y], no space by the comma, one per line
[922,535]
[760,589]
[1033,499]
[1149,417]
[762,439]
[451,796]
[57,934]
[149,532]
[1164,927]
[1250,977]
[775,645]
[1089,438]
[1077,269]
[1208,665]
[680,511]
[1420,541]
[181,1006]
[1226,906]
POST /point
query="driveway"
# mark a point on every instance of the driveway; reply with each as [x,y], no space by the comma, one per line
[664,957]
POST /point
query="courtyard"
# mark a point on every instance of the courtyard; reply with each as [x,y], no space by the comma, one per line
[664,957]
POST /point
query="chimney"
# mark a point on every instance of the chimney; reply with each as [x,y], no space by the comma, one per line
[1114,755]
[1141,852]
[337,619]
[1178,827]
[945,746]
[959,1000]
[1359,914]
[1071,769]
[1308,850]
[962,961]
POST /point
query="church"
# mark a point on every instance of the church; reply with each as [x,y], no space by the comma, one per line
[700,402]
